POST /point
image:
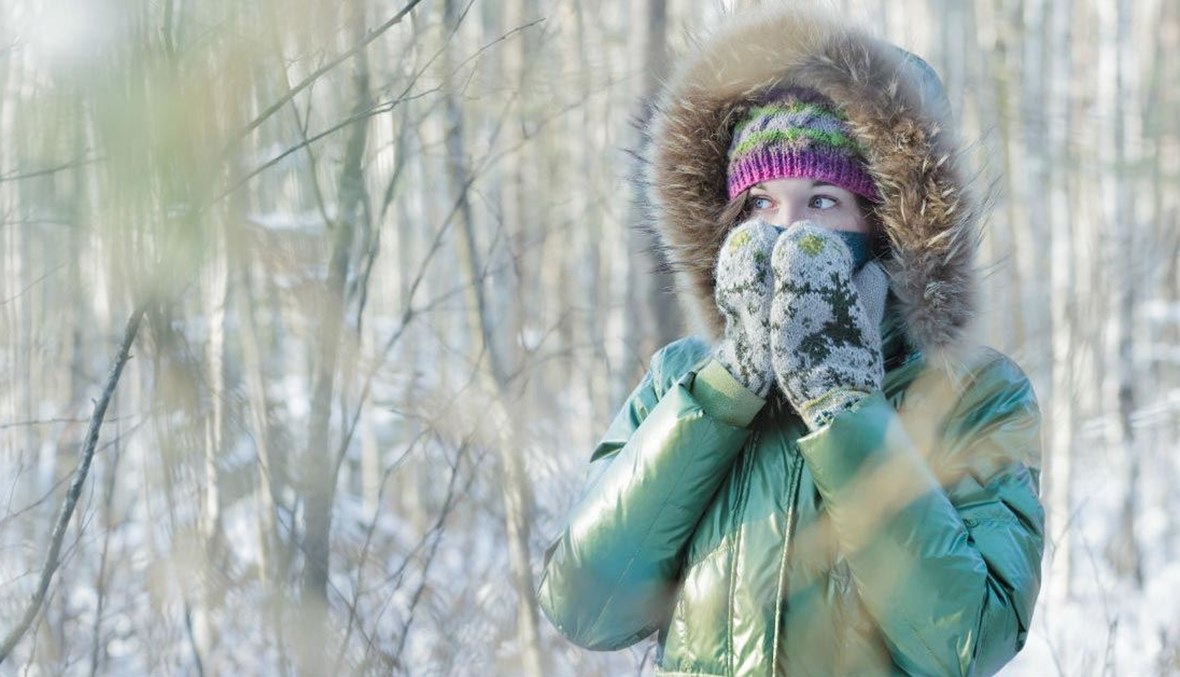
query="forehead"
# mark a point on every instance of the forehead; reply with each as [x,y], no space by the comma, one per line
[800,184]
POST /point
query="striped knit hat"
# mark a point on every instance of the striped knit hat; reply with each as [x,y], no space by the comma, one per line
[797,133]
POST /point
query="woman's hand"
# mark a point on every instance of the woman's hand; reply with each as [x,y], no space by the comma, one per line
[825,337]
[745,285]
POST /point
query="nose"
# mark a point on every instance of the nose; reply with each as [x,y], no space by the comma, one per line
[787,213]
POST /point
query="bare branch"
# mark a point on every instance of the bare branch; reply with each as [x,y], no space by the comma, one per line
[48,171]
[373,111]
[32,284]
[360,116]
[49,421]
[302,123]
[310,80]
[449,503]
[408,314]
[75,490]
[97,653]
[17,513]
[360,565]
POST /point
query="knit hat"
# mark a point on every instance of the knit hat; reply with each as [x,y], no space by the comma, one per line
[797,133]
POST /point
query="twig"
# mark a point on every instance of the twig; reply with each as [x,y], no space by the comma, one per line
[1053,651]
[372,111]
[302,123]
[97,652]
[47,421]
[47,171]
[409,312]
[437,531]
[75,490]
[377,108]
[15,514]
[360,566]
[309,80]
[32,284]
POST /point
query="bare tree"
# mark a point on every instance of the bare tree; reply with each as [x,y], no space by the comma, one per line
[319,466]
[653,318]
[495,378]
[1062,410]
[1124,548]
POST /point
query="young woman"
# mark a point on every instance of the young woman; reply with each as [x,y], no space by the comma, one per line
[829,479]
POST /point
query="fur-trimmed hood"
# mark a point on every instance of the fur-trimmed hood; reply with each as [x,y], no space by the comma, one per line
[897,109]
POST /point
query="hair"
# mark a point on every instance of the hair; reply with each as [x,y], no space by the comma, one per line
[734,211]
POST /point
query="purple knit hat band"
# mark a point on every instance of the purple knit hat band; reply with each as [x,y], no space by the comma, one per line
[797,133]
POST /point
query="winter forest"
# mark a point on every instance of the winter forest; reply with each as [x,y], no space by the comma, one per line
[311,314]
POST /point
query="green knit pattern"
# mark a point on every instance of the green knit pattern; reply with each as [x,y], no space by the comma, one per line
[825,348]
[797,124]
[745,286]
[797,137]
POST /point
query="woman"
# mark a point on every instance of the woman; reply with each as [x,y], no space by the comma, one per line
[830,479]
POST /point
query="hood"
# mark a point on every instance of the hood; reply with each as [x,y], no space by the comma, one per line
[897,109]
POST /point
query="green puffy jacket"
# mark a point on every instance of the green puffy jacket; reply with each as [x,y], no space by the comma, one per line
[755,548]
[905,536]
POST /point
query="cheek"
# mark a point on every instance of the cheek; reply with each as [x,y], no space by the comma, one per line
[771,216]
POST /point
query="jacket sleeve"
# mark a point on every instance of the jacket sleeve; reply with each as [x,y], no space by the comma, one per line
[943,530]
[609,576]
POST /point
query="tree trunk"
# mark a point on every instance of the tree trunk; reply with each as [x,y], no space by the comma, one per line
[98,652]
[514,485]
[994,103]
[1062,420]
[320,463]
[1123,549]
[653,317]
[1166,219]
[215,297]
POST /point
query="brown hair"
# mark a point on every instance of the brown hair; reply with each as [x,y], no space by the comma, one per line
[734,211]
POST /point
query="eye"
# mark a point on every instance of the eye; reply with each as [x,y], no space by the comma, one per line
[760,202]
[823,202]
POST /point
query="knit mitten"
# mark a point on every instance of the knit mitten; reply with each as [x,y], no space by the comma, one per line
[745,284]
[826,348]
[872,284]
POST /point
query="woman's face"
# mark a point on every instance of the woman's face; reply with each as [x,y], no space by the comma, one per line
[782,202]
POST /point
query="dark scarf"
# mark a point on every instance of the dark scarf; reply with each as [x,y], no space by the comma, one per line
[860,245]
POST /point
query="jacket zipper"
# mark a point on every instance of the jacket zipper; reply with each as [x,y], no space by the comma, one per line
[743,470]
[792,498]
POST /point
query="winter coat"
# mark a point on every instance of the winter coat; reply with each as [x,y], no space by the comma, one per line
[903,537]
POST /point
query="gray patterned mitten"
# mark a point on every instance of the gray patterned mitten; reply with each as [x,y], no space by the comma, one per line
[872,284]
[745,284]
[826,349]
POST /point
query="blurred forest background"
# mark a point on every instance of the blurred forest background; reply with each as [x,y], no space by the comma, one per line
[371,274]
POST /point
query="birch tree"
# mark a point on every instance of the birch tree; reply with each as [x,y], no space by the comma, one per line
[1118,387]
[1062,418]
[494,376]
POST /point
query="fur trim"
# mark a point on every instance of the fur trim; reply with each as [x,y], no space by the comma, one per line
[896,107]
